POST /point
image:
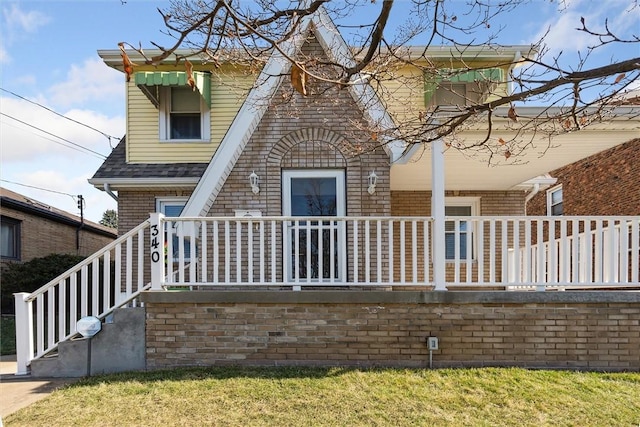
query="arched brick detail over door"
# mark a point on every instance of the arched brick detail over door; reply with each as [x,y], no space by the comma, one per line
[316,148]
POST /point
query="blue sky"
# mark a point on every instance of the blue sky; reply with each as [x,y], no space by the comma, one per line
[48,56]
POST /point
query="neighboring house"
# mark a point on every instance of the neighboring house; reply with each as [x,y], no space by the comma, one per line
[32,229]
[606,183]
[237,183]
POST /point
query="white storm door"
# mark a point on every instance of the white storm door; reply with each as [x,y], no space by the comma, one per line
[314,249]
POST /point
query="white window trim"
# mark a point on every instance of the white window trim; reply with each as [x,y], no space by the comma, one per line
[474,203]
[161,202]
[164,122]
[550,205]
[339,175]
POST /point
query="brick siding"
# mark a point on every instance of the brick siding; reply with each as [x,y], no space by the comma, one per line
[607,183]
[390,329]
[41,237]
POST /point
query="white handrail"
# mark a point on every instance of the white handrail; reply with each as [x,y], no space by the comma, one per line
[48,316]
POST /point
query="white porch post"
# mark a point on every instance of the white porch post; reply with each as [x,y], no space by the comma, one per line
[24,332]
[156,250]
[437,212]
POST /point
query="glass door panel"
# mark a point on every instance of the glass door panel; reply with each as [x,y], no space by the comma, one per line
[314,247]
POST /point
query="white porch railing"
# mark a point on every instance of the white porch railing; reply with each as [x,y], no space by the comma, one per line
[112,277]
[516,253]
[503,252]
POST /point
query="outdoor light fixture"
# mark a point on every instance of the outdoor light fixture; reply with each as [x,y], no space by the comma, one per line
[253,182]
[372,180]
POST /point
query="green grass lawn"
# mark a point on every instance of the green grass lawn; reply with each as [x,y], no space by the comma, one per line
[342,397]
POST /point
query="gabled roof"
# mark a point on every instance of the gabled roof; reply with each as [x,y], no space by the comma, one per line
[252,110]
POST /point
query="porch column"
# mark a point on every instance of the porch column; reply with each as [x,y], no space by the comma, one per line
[437,212]
[24,333]
[156,250]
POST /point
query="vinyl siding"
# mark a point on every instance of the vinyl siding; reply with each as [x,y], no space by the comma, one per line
[143,142]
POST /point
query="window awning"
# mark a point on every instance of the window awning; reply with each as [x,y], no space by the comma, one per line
[150,81]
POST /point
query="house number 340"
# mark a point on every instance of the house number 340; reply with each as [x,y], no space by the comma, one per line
[155,244]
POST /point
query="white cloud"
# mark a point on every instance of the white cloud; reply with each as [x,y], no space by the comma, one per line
[91,82]
[17,21]
[15,24]
[560,30]
[31,132]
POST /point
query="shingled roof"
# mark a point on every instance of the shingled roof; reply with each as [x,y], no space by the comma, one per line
[115,169]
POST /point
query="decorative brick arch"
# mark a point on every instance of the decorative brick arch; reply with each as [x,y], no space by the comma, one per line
[313,148]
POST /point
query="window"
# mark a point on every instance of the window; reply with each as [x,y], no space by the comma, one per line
[172,207]
[451,94]
[184,115]
[9,238]
[461,206]
[554,201]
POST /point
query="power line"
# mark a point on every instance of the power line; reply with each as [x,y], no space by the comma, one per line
[54,135]
[39,188]
[53,140]
[109,137]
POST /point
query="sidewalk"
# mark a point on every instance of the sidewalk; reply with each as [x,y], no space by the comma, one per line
[19,391]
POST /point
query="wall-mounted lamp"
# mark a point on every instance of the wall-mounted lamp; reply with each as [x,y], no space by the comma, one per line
[253,182]
[372,181]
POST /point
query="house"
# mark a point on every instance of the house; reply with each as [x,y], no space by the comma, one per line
[602,184]
[32,229]
[286,233]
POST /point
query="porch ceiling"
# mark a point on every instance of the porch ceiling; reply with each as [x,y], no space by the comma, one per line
[473,171]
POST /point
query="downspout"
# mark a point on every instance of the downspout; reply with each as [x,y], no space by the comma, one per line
[107,189]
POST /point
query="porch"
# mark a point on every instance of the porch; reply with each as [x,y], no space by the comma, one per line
[294,254]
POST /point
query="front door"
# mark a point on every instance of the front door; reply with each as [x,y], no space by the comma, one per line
[313,249]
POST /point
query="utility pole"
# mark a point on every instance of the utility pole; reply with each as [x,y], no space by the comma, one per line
[81,207]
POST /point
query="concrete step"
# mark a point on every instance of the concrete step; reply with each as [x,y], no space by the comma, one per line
[118,347]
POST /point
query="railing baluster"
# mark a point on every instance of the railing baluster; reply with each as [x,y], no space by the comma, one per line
[274,276]
[379,251]
[216,252]
[403,260]
[238,250]
[84,294]
[250,251]
[492,250]
[62,309]
[106,281]
[391,254]
[227,252]
[140,264]
[356,260]
[51,316]
[635,250]
[128,268]
[597,252]
[40,324]
[95,292]
[203,252]
[425,243]
[414,251]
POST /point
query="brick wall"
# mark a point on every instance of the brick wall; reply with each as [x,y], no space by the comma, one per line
[590,330]
[41,236]
[606,183]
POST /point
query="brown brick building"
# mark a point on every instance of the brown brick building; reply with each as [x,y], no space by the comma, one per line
[607,183]
[31,229]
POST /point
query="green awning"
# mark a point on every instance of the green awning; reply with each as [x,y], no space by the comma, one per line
[150,81]
[487,75]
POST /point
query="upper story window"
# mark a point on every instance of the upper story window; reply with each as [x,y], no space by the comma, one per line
[9,238]
[184,116]
[458,89]
[554,201]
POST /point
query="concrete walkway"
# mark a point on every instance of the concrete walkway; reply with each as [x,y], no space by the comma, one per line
[19,391]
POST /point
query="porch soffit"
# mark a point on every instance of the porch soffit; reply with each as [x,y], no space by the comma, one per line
[463,171]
